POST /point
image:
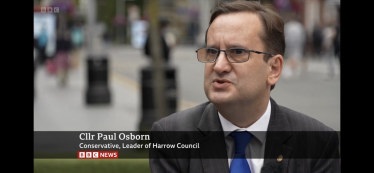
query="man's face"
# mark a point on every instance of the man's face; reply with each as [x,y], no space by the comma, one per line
[228,83]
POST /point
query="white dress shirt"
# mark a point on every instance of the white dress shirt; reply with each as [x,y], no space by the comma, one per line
[256,146]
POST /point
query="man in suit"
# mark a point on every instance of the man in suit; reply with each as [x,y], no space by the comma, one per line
[243,59]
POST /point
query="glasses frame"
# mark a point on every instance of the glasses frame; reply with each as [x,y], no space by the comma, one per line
[221,50]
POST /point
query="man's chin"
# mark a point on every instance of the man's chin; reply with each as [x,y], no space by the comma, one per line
[219,100]
[220,97]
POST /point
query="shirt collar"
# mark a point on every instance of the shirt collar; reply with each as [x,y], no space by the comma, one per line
[258,128]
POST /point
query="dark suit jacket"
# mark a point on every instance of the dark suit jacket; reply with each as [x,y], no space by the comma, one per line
[301,152]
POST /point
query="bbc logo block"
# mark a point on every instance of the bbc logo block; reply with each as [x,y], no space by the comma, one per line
[97,155]
[49,9]
[88,155]
[81,155]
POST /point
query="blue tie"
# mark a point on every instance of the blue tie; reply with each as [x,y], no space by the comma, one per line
[239,164]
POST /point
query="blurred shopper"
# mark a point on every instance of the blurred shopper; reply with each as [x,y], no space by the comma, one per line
[168,40]
[329,34]
[42,44]
[295,36]
[77,42]
[61,59]
[193,24]
[317,37]
[337,43]
[36,54]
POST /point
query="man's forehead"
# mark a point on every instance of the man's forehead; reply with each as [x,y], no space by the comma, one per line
[234,26]
[240,14]
[237,20]
[246,18]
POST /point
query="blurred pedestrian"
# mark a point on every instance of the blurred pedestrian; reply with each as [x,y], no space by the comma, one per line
[61,59]
[317,37]
[168,41]
[42,44]
[193,24]
[77,38]
[295,37]
[329,34]
[36,54]
[337,43]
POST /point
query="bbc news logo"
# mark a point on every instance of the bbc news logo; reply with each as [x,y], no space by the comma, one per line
[49,9]
[97,154]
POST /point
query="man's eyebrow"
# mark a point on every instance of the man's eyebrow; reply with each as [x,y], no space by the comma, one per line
[235,46]
[212,46]
[230,46]
[227,46]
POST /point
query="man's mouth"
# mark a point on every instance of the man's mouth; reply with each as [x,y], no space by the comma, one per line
[221,81]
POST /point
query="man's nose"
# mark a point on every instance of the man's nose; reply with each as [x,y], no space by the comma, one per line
[222,63]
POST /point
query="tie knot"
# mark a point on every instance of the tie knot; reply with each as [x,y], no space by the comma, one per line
[241,140]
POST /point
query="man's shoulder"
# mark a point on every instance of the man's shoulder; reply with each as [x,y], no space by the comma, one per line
[187,119]
[302,122]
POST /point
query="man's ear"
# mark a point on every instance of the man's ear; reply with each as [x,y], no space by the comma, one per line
[275,69]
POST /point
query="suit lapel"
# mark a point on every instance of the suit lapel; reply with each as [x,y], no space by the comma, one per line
[212,147]
[278,132]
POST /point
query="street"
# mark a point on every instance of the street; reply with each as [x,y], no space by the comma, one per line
[310,94]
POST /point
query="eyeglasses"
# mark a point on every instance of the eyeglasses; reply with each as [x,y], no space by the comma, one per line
[234,55]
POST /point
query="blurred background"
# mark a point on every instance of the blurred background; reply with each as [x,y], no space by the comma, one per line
[96,70]
[92,71]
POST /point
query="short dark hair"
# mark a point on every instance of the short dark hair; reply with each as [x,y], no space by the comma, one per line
[273,24]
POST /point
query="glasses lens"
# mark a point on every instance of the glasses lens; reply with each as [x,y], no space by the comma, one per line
[237,55]
[207,54]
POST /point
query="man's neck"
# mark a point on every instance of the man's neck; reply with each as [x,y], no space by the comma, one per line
[243,115]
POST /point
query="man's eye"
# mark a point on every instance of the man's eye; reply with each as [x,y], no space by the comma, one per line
[211,51]
[239,51]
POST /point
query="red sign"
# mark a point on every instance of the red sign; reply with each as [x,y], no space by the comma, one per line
[97,155]
[38,8]
[46,9]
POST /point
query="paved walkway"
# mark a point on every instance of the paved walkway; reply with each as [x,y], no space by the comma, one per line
[64,109]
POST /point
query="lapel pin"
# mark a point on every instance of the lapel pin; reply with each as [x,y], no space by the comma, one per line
[280,158]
